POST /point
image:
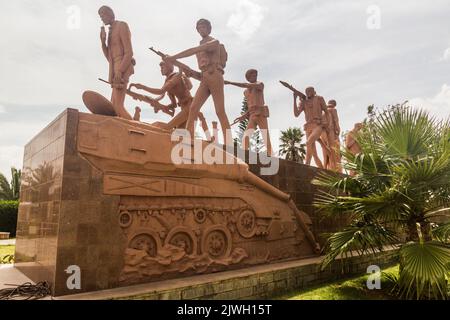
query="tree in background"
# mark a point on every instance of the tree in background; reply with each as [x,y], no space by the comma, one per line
[401,187]
[291,146]
[10,190]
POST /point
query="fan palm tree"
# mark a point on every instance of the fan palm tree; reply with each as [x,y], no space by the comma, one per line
[10,191]
[291,146]
[401,186]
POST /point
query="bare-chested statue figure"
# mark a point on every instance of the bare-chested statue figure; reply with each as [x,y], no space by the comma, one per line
[350,140]
[330,137]
[177,86]
[258,112]
[211,57]
[333,136]
[119,53]
[315,108]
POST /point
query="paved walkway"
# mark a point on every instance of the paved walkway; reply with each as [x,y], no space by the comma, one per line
[11,275]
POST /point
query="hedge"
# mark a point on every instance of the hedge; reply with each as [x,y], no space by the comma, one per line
[8,216]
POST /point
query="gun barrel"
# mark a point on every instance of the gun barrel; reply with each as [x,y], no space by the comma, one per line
[159,53]
[102,80]
[290,87]
[176,63]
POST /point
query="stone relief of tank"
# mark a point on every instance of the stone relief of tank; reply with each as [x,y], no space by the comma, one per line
[187,218]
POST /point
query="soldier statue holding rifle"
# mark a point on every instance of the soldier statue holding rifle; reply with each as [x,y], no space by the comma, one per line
[316,116]
[211,57]
[258,112]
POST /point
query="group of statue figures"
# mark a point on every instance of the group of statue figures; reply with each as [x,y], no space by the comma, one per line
[322,122]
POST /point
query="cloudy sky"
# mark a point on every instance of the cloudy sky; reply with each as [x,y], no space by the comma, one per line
[356,52]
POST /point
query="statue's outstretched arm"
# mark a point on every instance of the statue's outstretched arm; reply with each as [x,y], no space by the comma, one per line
[190,52]
[246,85]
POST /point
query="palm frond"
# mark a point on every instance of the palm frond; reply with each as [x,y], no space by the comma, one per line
[406,132]
[362,238]
[442,232]
[5,189]
[425,270]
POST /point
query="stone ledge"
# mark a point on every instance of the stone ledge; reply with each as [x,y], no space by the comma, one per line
[259,282]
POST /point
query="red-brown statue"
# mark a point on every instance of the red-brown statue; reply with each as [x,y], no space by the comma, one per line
[258,112]
[211,57]
[118,51]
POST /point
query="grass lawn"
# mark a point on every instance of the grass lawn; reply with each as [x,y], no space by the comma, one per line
[6,250]
[346,289]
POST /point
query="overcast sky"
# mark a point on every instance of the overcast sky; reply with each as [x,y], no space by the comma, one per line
[356,52]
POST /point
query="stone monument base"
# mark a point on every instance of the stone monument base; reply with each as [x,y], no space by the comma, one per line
[104,205]
[259,282]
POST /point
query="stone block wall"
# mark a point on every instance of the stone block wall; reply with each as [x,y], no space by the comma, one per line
[265,282]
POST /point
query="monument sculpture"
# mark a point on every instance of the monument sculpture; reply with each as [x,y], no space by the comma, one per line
[351,142]
[334,132]
[115,203]
[258,112]
[316,116]
[211,57]
[94,102]
[330,136]
[177,86]
[119,53]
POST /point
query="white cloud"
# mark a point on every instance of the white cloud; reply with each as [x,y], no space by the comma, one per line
[446,55]
[46,66]
[10,156]
[2,109]
[439,105]
[247,18]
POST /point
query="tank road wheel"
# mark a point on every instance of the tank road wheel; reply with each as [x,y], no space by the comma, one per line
[183,238]
[246,223]
[216,242]
[146,242]
[200,215]
[125,219]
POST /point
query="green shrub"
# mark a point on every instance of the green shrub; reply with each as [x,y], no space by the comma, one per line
[8,216]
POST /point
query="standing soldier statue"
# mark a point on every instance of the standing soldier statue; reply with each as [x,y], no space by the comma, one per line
[119,53]
[334,132]
[211,58]
[351,143]
[258,112]
[314,107]
[330,137]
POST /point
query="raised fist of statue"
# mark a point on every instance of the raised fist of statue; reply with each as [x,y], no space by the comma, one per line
[103,35]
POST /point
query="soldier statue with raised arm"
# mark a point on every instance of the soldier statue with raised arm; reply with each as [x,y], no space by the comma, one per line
[119,53]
